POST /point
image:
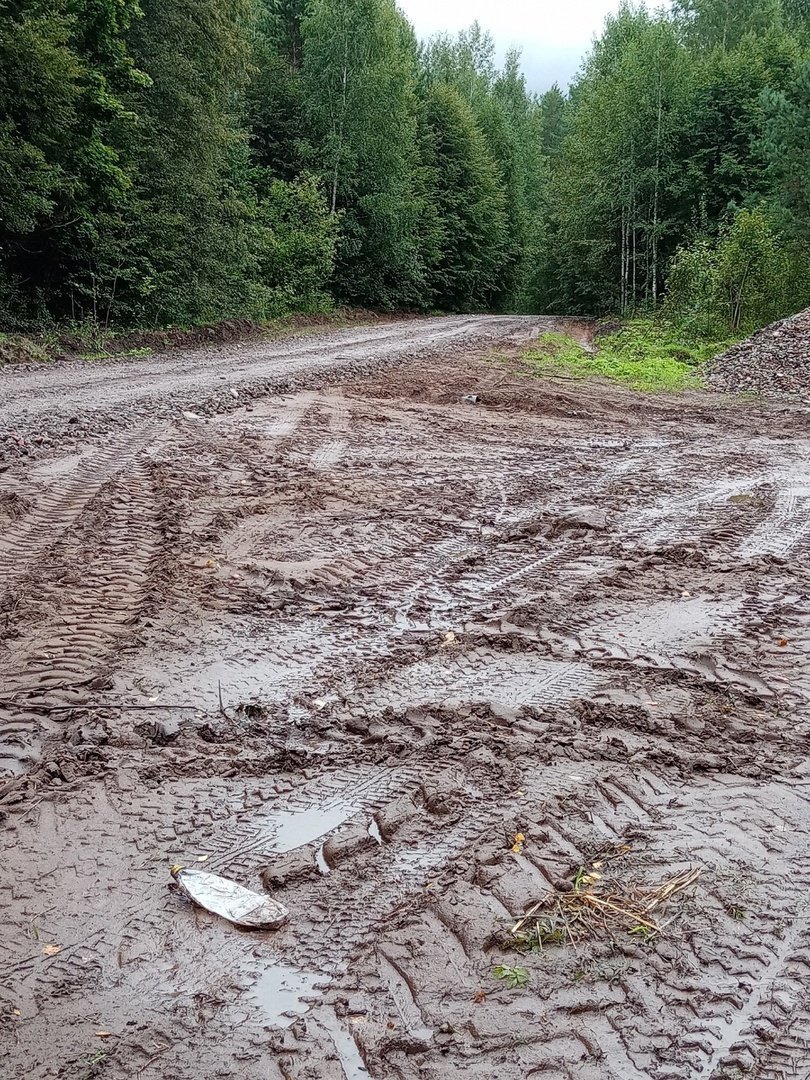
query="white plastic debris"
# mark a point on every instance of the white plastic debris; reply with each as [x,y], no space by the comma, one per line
[231,901]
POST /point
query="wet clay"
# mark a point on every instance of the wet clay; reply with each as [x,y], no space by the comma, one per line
[349,640]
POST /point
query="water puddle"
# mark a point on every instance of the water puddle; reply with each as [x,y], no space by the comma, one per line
[785,529]
[279,994]
[320,861]
[291,829]
[680,623]
[351,1062]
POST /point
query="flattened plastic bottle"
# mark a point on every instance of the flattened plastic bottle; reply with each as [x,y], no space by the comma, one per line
[240,906]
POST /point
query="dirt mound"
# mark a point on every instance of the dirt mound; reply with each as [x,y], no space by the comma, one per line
[775,361]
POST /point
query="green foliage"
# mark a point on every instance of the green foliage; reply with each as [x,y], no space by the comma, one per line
[784,143]
[611,226]
[645,354]
[297,258]
[723,24]
[193,257]
[738,282]
[64,132]
[359,79]
[664,143]
[514,977]
[172,163]
[468,202]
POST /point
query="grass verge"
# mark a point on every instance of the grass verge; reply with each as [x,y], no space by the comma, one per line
[644,354]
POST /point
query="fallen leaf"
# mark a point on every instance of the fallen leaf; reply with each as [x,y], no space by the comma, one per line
[51,950]
[17,1012]
[517,847]
[783,643]
[103,1034]
[480,997]
[210,564]
[449,638]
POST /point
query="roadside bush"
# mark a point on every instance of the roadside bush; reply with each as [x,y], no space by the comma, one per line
[737,283]
[297,251]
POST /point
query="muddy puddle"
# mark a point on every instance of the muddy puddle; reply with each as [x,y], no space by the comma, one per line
[421,669]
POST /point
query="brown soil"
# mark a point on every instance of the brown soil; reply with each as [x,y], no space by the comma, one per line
[349,644]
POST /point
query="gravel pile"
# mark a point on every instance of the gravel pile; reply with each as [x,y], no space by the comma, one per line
[775,361]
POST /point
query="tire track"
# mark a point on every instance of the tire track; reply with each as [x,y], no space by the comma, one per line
[96,602]
[715,1023]
[785,530]
[27,540]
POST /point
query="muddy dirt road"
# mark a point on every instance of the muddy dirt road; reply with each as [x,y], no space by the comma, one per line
[418,643]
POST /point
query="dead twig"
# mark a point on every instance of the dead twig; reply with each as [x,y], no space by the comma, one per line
[596,911]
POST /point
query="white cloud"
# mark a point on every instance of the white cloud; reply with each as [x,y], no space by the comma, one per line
[552,35]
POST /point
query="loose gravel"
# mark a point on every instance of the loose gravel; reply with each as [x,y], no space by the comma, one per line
[774,361]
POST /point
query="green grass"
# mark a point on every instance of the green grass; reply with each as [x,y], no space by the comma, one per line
[644,354]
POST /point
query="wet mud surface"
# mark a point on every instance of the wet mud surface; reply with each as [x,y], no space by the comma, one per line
[350,644]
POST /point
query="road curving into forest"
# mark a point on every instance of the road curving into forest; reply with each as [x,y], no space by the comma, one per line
[99,396]
[419,643]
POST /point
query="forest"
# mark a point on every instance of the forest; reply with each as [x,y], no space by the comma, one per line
[172,163]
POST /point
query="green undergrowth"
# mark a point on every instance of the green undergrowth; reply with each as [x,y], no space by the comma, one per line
[644,354]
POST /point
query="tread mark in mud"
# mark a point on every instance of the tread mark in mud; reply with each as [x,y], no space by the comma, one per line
[787,528]
[291,416]
[306,816]
[481,676]
[67,649]
[63,503]
[327,456]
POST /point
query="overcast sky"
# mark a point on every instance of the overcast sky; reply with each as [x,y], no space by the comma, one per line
[554,35]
